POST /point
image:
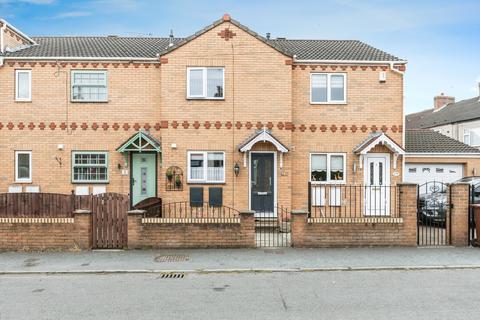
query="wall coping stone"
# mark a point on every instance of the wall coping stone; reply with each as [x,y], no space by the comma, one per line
[82,211]
[136,212]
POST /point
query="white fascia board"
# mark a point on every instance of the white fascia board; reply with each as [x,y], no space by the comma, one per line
[351,61]
[84,58]
[17,31]
[442,155]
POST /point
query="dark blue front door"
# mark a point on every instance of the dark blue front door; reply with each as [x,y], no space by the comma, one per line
[262,182]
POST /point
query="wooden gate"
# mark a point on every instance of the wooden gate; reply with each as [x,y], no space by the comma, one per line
[109,220]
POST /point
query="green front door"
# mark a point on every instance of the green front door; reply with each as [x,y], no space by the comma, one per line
[144,176]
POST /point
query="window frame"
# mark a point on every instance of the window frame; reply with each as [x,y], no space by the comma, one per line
[72,76]
[73,165]
[328,180]
[205,167]
[30,169]
[466,133]
[29,72]
[203,96]
[329,75]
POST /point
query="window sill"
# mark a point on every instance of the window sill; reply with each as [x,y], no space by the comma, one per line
[90,182]
[204,182]
[23,181]
[83,101]
[328,182]
[23,101]
[206,99]
[328,103]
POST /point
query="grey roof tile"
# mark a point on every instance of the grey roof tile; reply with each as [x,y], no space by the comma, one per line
[461,111]
[429,141]
[148,47]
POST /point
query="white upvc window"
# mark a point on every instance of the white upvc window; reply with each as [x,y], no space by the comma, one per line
[23,166]
[89,167]
[23,85]
[466,136]
[205,83]
[327,168]
[89,86]
[328,88]
[206,166]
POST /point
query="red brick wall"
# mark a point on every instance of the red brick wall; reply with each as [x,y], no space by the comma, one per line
[37,236]
[191,235]
[305,234]
[459,214]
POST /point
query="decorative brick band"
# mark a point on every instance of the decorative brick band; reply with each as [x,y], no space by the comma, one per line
[191,220]
[94,65]
[356,220]
[37,220]
[208,125]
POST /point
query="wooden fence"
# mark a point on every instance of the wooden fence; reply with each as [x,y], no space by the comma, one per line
[42,205]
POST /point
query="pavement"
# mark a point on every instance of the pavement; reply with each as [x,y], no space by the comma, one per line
[239,260]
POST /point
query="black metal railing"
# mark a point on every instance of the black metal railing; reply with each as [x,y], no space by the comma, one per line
[272,227]
[352,201]
[433,214]
[188,210]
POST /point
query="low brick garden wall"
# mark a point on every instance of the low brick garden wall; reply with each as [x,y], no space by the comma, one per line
[366,231]
[38,234]
[191,233]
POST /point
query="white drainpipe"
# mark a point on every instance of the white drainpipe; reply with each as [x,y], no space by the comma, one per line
[2,32]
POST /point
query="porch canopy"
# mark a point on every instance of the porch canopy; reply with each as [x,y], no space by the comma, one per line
[141,141]
[263,135]
[378,139]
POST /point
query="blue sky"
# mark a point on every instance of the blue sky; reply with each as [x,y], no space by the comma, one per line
[440,39]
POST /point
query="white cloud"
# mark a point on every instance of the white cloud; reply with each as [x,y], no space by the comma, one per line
[72,14]
[38,1]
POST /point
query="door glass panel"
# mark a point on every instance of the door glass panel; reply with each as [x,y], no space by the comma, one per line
[372,182]
[144,181]
[380,173]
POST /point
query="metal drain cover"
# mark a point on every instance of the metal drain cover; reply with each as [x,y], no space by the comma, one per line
[172,275]
[171,258]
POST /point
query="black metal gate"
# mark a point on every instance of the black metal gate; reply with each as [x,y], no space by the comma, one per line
[474,200]
[433,214]
[272,227]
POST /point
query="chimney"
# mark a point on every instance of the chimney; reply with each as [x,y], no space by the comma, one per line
[268,38]
[442,100]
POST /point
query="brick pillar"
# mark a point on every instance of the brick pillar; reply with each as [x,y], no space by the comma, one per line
[134,228]
[459,197]
[298,225]
[83,229]
[247,225]
[407,210]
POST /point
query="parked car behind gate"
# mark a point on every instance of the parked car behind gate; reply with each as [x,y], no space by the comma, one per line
[433,202]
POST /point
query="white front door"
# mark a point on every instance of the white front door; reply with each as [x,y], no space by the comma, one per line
[377,184]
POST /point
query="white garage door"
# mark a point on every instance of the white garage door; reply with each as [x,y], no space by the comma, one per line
[442,172]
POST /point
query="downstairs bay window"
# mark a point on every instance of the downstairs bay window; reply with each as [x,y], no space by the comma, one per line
[206,167]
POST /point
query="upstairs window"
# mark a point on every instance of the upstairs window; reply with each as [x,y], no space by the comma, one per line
[206,167]
[328,88]
[89,86]
[89,167]
[23,85]
[205,83]
[471,137]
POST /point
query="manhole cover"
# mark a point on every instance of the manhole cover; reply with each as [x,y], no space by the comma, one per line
[171,258]
[172,275]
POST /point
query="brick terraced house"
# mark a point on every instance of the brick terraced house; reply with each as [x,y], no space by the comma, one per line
[224,116]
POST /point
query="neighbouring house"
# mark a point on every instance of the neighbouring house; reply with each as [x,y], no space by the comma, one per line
[224,116]
[432,156]
[458,120]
